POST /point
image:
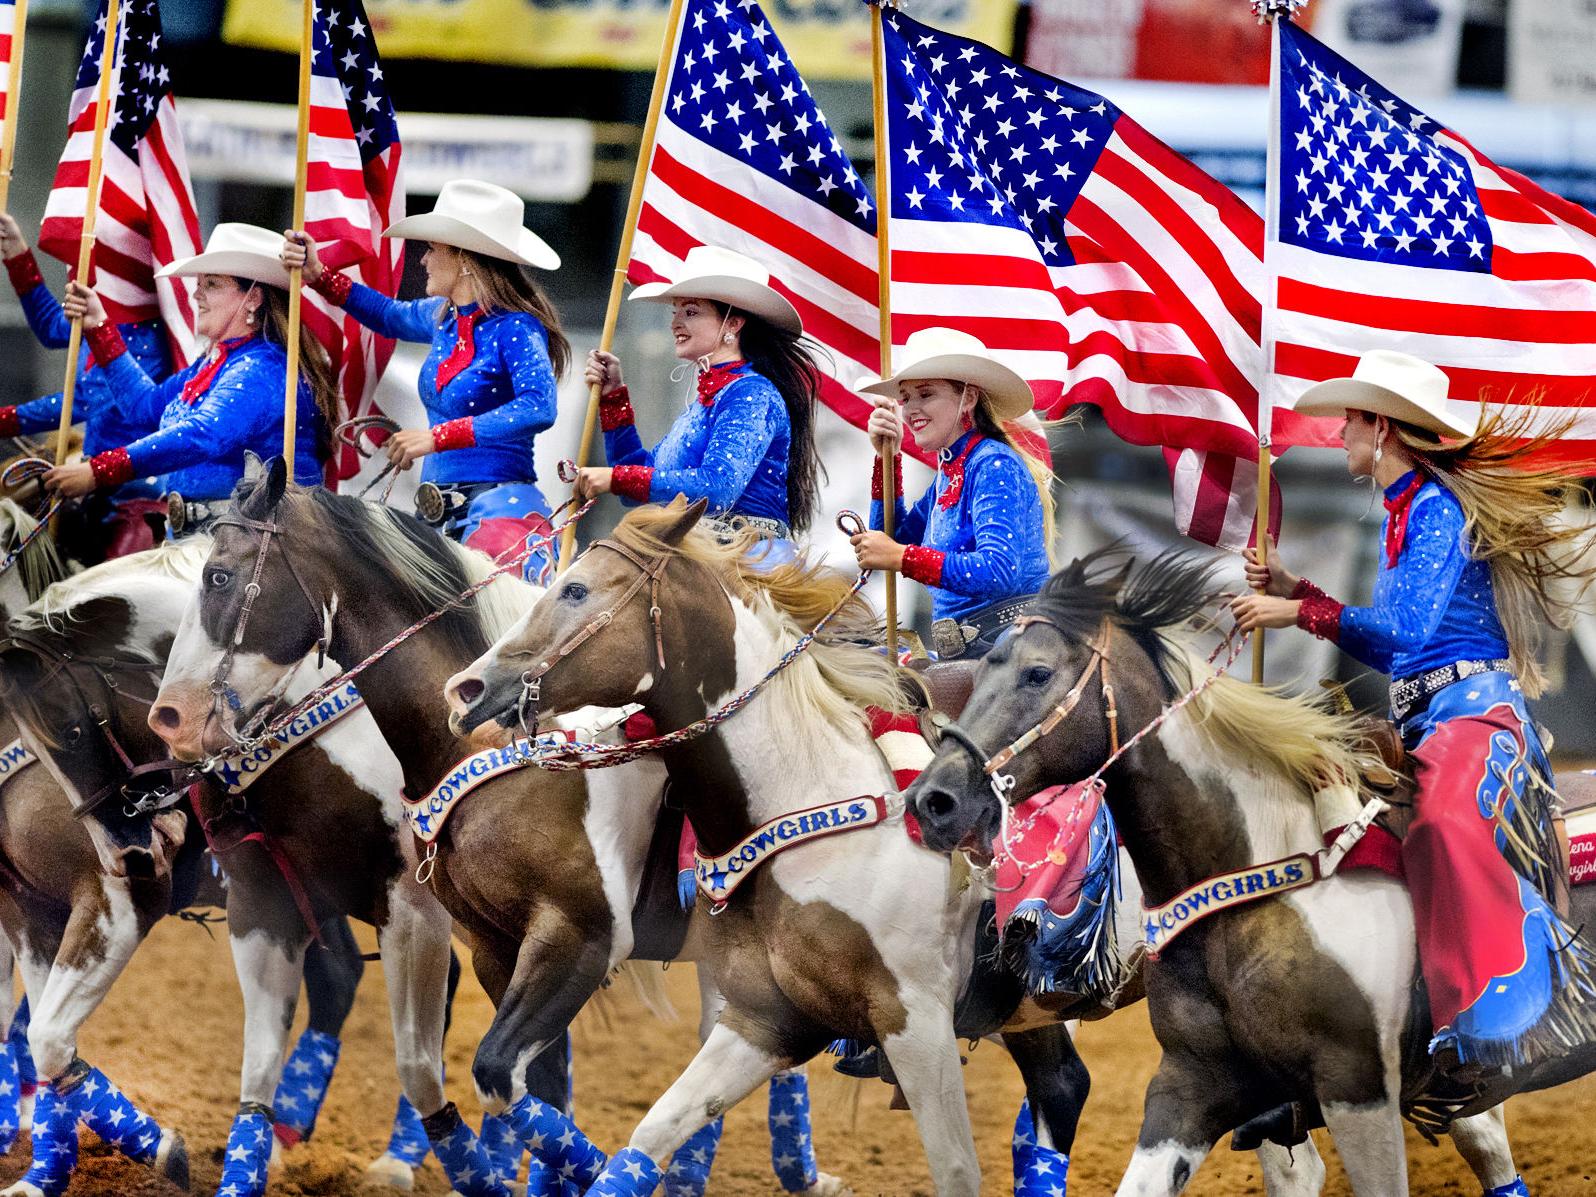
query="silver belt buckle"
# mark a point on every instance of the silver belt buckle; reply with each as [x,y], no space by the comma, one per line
[950,638]
[1467,669]
[176,512]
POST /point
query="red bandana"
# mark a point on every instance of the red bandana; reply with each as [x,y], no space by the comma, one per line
[953,471]
[465,348]
[200,381]
[1396,525]
[715,379]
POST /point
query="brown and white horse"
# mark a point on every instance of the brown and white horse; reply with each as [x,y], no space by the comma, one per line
[1307,996]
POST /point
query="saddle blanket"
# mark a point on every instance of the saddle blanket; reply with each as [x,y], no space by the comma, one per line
[238,773]
[1582,847]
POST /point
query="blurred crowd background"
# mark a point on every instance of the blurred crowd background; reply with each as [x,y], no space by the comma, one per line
[547,97]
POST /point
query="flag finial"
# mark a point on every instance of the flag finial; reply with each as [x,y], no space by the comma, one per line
[1269,10]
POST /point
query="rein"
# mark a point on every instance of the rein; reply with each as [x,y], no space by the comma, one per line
[24,470]
[349,434]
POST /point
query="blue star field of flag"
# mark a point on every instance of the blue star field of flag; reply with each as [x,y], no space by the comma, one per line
[978,138]
[144,79]
[344,49]
[734,87]
[1361,174]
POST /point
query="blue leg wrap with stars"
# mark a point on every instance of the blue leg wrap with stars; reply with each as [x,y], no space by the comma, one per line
[629,1174]
[249,1148]
[408,1143]
[688,1174]
[107,1112]
[17,1040]
[1024,1143]
[10,1097]
[303,1085]
[502,1144]
[55,1141]
[555,1140]
[1514,1188]
[792,1147]
[465,1161]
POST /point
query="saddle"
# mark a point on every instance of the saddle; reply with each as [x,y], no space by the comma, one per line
[947,686]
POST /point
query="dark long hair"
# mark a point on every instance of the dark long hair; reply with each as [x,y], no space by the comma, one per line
[503,286]
[785,358]
[315,364]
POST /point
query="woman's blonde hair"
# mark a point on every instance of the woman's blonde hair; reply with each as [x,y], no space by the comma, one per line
[992,428]
[1514,499]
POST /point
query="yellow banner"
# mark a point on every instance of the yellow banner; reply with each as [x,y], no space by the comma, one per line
[828,39]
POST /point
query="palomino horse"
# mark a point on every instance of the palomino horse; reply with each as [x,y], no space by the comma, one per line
[542,871]
[1306,996]
[72,675]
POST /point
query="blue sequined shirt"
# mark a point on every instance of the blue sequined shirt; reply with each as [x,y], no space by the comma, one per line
[508,391]
[992,536]
[732,452]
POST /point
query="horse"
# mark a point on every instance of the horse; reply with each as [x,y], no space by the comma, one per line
[71,675]
[541,871]
[1303,996]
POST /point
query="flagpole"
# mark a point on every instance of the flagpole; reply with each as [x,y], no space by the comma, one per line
[307,35]
[102,104]
[889,488]
[623,257]
[8,140]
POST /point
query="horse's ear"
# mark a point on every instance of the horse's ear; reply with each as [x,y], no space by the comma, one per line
[254,467]
[276,481]
[686,519]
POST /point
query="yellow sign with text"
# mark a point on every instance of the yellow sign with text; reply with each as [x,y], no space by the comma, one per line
[828,39]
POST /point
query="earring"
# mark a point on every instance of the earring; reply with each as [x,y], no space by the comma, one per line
[465,272]
[726,339]
[249,317]
[967,421]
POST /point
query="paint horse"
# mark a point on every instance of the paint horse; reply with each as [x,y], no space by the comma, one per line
[541,871]
[78,673]
[1306,996]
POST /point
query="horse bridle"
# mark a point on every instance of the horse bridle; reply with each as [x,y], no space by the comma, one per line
[649,574]
[106,669]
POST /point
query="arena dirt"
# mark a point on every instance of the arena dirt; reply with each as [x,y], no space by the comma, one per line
[169,1034]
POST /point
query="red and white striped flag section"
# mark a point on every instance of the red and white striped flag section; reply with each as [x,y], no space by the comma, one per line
[8,32]
[1395,233]
[354,190]
[147,216]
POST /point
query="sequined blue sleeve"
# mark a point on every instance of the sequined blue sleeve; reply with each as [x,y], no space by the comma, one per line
[738,438]
[230,416]
[623,446]
[908,525]
[524,355]
[139,398]
[403,320]
[1411,597]
[1002,492]
[43,313]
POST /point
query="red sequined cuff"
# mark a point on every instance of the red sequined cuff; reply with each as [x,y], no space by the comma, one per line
[632,482]
[333,286]
[24,272]
[111,468]
[1318,613]
[10,422]
[615,409]
[454,434]
[923,565]
[105,343]
[876,490]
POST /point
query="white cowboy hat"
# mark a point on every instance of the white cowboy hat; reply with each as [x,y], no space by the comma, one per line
[482,217]
[947,353]
[709,272]
[1392,384]
[241,250]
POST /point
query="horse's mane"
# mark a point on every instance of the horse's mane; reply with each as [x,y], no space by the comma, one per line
[1161,606]
[58,607]
[844,672]
[40,563]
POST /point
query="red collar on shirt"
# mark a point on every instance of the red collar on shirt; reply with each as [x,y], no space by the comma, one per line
[1400,506]
[200,381]
[716,379]
[465,346]
[953,471]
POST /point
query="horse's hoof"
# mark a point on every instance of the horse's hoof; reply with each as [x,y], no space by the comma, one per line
[171,1159]
[827,1185]
[391,1171]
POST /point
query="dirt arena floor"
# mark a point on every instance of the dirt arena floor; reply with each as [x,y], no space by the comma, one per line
[169,1035]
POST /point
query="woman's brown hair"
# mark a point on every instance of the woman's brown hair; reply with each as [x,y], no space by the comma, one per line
[315,364]
[504,287]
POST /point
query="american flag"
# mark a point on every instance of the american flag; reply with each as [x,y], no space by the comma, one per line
[1105,267]
[354,191]
[8,30]
[1395,233]
[147,216]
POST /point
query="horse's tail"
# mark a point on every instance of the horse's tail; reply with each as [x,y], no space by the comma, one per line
[648,980]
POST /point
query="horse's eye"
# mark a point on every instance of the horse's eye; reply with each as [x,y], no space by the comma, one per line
[218,578]
[73,735]
[573,592]
[1037,675]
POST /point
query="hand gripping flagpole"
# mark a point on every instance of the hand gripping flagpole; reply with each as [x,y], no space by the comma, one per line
[623,257]
[889,488]
[307,50]
[8,140]
[102,104]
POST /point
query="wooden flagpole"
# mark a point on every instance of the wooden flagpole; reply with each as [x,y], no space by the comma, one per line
[8,140]
[889,488]
[623,257]
[102,104]
[307,49]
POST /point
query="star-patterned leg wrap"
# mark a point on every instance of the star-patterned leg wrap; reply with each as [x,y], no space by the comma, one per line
[688,1174]
[544,1181]
[503,1146]
[465,1161]
[303,1085]
[10,1096]
[1024,1143]
[629,1174]
[107,1112]
[792,1147]
[249,1147]
[1514,1188]
[408,1143]
[553,1138]
[17,1039]
[55,1142]
[1047,1174]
